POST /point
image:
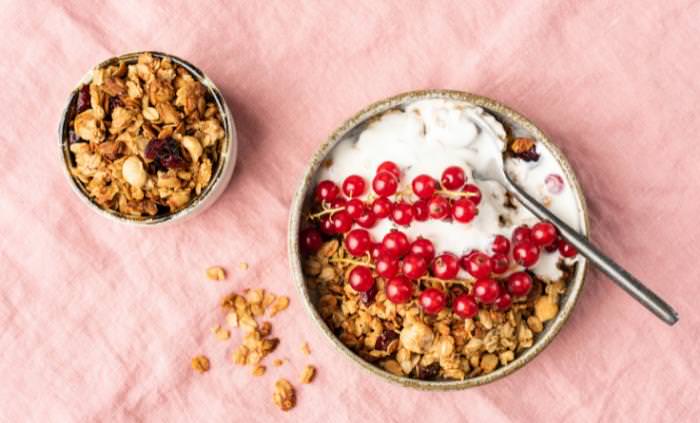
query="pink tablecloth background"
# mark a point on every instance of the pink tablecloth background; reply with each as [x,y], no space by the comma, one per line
[98,321]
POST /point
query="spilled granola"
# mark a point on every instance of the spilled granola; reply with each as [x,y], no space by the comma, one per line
[144,137]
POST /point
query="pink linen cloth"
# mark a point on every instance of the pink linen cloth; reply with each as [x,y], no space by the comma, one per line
[100,321]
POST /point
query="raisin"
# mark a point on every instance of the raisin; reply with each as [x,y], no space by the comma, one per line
[428,372]
[367,297]
[83,102]
[385,339]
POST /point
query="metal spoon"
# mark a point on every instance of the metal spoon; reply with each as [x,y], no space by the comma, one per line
[631,285]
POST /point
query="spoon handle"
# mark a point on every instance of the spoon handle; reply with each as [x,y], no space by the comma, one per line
[620,276]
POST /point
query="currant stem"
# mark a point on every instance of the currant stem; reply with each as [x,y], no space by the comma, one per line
[457,193]
[350,261]
[444,282]
[325,212]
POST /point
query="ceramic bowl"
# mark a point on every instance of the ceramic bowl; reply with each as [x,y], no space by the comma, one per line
[520,126]
[221,174]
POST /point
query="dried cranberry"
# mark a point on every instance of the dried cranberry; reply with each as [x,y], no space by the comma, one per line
[166,152]
[72,137]
[114,102]
[428,372]
[367,297]
[83,102]
[385,339]
[530,155]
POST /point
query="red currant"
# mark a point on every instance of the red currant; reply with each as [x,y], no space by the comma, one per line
[414,266]
[424,248]
[399,290]
[387,267]
[358,242]
[499,263]
[475,192]
[566,249]
[342,222]
[338,203]
[553,246]
[543,234]
[327,226]
[376,250]
[395,244]
[453,178]
[402,213]
[521,233]
[360,279]
[390,167]
[487,290]
[478,265]
[439,207]
[554,183]
[355,207]
[310,240]
[445,266]
[384,184]
[519,284]
[463,210]
[500,244]
[465,306]
[367,219]
[432,300]
[327,191]
[382,207]
[354,186]
[423,186]
[503,302]
[420,211]
[526,253]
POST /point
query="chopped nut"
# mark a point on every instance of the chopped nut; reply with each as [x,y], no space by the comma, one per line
[308,374]
[221,333]
[305,348]
[521,145]
[283,396]
[545,308]
[488,362]
[417,337]
[240,355]
[534,324]
[280,304]
[258,370]
[232,319]
[277,362]
[200,364]
[265,328]
[393,367]
[216,273]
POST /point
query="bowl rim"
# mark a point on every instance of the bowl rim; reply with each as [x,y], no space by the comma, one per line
[220,177]
[567,303]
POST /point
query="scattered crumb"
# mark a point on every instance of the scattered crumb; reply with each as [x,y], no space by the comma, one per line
[305,349]
[265,328]
[221,333]
[278,305]
[200,364]
[308,374]
[258,370]
[243,266]
[278,362]
[216,273]
[283,396]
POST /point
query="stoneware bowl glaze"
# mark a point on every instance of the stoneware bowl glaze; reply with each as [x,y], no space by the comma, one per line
[221,175]
[520,126]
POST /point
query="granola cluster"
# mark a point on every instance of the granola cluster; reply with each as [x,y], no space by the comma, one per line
[144,137]
[404,341]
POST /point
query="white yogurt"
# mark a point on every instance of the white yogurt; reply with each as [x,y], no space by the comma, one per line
[431,135]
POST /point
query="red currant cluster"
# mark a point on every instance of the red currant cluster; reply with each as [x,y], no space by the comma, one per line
[401,262]
[451,198]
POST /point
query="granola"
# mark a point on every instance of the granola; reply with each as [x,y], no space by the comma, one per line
[144,137]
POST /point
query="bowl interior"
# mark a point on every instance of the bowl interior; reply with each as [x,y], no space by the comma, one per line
[519,126]
[220,174]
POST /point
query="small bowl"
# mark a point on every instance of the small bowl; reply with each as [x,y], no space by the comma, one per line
[521,126]
[221,175]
